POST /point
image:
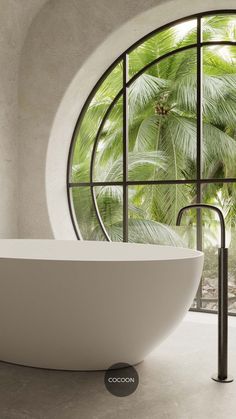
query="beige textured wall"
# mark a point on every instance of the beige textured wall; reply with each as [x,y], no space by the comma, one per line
[67,47]
[15,18]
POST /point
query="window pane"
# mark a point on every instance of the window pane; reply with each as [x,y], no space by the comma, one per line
[224,197]
[153,210]
[163,42]
[86,132]
[219,112]
[219,28]
[85,214]
[110,205]
[108,165]
[162,120]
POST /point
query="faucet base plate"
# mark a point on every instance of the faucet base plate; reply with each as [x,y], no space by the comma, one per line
[228,379]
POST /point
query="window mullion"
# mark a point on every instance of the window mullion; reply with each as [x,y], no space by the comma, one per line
[125,147]
[199,146]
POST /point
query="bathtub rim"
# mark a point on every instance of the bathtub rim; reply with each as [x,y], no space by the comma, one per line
[185,253]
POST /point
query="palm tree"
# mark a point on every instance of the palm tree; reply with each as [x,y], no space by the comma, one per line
[162,135]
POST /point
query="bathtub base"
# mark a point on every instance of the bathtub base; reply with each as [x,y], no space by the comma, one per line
[26,365]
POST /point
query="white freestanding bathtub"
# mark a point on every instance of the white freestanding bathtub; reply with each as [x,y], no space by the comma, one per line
[88,305]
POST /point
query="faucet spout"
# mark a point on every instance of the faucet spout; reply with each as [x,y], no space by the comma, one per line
[209,207]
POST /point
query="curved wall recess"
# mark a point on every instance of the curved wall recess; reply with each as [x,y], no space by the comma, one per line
[48,115]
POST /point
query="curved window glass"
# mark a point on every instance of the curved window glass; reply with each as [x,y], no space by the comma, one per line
[158,132]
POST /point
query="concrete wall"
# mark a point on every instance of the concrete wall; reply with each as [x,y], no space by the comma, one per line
[15,19]
[68,45]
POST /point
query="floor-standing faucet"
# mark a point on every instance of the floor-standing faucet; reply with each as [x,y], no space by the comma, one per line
[222,375]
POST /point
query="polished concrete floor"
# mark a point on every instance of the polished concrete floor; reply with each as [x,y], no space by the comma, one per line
[174,384]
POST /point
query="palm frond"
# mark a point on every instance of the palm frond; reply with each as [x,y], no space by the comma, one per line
[142,91]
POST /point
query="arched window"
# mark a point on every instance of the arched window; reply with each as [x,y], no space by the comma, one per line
[158,132]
